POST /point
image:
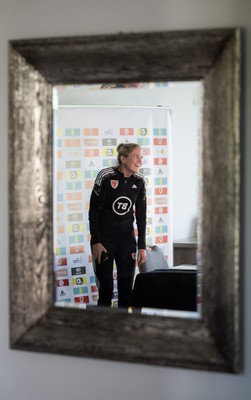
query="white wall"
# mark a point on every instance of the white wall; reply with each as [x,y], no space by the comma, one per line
[30,376]
[183,98]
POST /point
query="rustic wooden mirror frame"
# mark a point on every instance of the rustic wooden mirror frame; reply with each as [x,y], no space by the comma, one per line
[213,56]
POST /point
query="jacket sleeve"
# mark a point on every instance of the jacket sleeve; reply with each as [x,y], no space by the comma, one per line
[96,201]
[140,214]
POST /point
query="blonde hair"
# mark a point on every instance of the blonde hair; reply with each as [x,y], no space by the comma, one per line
[124,149]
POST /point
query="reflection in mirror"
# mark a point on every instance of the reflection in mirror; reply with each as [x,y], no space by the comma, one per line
[89,123]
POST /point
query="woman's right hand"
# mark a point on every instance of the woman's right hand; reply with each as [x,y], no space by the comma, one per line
[97,250]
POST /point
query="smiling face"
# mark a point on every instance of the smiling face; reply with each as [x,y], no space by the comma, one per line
[132,163]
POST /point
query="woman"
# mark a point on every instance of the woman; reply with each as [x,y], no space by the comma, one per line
[119,194]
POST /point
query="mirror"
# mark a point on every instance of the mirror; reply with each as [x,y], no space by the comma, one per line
[213,56]
[170,168]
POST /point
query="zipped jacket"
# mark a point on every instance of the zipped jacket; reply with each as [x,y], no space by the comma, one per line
[116,201]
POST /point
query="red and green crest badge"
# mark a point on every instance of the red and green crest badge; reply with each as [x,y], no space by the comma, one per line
[114,184]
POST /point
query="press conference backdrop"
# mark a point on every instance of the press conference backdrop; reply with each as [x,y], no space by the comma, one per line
[85,141]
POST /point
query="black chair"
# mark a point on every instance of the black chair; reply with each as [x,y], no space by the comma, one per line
[166,289]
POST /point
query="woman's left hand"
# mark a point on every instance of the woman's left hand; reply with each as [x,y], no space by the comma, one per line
[141,256]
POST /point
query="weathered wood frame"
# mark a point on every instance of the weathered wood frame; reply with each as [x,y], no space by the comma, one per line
[213,56]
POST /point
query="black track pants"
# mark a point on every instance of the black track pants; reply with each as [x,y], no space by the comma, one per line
[121,247]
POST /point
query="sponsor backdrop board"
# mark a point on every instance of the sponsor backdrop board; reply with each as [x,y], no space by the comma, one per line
[85,141]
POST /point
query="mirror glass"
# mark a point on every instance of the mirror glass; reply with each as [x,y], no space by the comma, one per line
[89,122]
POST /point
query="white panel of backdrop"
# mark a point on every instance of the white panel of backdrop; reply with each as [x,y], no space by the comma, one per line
[85,141]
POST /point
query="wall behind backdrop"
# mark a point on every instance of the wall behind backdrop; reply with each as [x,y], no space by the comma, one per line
[29,376]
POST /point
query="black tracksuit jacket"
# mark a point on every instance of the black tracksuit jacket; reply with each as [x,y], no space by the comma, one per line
[115,202]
